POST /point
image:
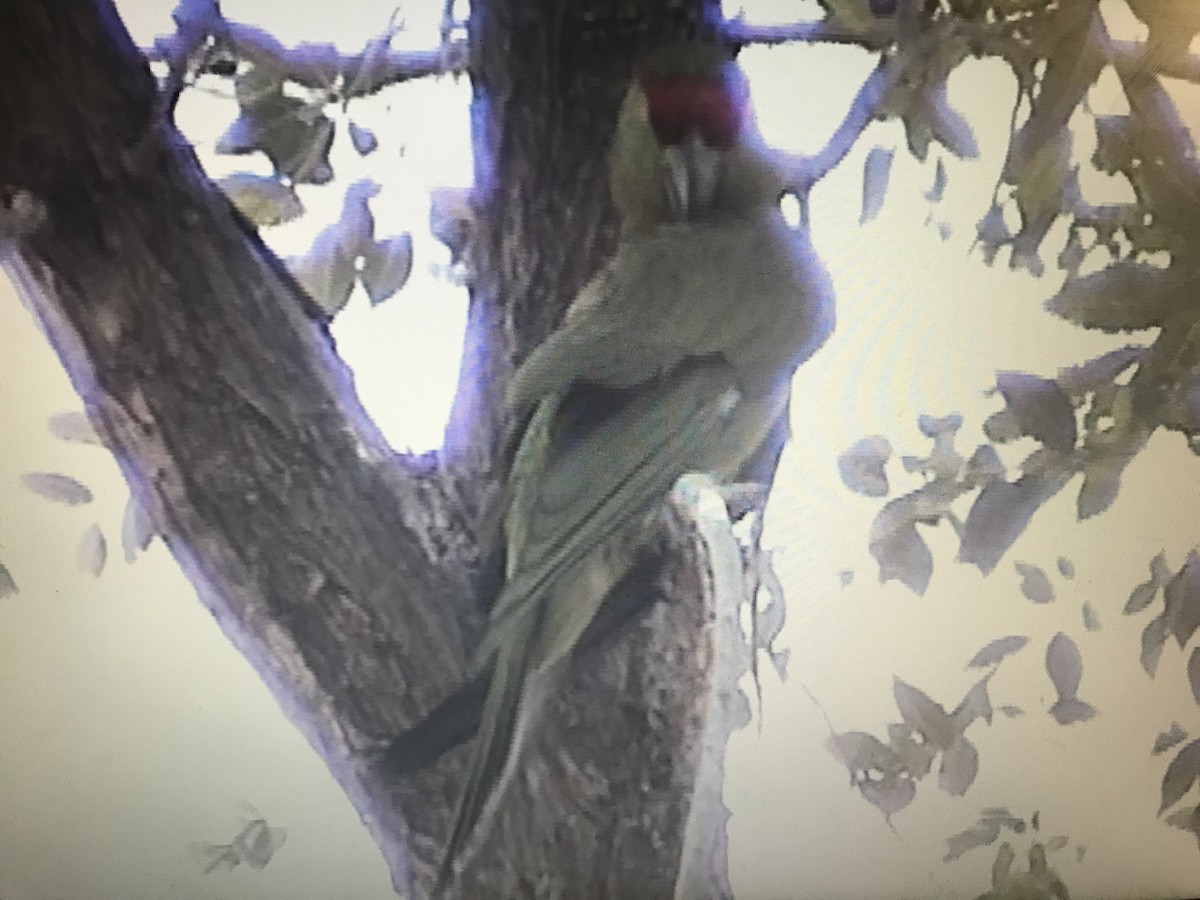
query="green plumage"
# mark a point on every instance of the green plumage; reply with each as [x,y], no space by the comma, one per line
[677,357]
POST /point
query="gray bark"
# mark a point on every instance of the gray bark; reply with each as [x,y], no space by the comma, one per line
[343,571]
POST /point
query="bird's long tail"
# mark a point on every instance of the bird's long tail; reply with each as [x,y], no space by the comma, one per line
[503,718]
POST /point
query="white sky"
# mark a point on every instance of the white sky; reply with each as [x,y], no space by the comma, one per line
[131,729]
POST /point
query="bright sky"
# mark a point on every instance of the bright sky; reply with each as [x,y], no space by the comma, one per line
[132,730]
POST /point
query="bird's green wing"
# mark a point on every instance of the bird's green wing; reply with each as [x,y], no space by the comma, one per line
[577,483]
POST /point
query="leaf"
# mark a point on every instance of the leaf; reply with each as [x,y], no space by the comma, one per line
[326,273]
[1010,711]
[937,426]
[263,199]
[1168,739]
[877,170]
[889,794]
[8,586]
[1042,409]
[1193,673]
[1073,254]
[1069,710]
[862,466]
[978,835]
[779,660]
[137,530]
[903,554]
[914,757]
[1101,484]
[924,715]
[73,426]
[258,842]
[1066,568]
[983,466]
[1003,817]
[860,752]
[294,135]
[996,650]
[1091,621]
[93,551]
[1034,583]
[386,266]
[1000,513]
[960,765]
[1002,865]
[1181,774]
[363,139]
[56,487]
[1098,371]
[1154,635]
[1056,843]
[1184,818]
[1064,664]
[1159,571]
[975,705]
[1125,296]
[1182,595]
[1142,596]
[938,189]
[992,233]
[452,218]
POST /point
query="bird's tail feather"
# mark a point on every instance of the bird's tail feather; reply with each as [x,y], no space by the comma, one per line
[496,747]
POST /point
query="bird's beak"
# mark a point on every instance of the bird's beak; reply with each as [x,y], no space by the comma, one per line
[691,170]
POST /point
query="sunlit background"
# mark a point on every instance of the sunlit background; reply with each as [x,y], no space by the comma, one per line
[131,732]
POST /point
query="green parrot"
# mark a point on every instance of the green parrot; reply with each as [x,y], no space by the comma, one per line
[676,357]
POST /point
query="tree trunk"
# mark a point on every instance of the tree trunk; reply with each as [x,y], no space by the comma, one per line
[341,570]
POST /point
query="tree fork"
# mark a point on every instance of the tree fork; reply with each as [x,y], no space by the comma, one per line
[338,568]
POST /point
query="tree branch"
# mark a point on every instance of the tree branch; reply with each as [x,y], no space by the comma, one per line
[319,66]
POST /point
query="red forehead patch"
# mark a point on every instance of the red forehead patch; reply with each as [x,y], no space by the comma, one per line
[679,104]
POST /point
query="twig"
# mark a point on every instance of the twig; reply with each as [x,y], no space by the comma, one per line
[862,110]
[318,65]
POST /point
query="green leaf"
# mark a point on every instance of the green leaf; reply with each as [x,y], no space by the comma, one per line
[73,426]
[1168,739]
[996,650]
[1181,774]
[1182,595]
[1126,296]
[387,264]
[924,715]
[862,466]
[960,765]
[264,200]
[1042,408]
[59,488]
[877,170]
[1154,636]
[1035,585]
[92,551]
[8,586]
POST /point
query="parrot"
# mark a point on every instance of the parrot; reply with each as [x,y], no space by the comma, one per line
[676,357]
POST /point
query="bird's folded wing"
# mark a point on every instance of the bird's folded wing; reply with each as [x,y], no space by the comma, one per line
[591,482]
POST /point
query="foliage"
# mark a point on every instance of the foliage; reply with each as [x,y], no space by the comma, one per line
[1128,269]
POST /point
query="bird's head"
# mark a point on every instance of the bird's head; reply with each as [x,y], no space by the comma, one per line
[685,147]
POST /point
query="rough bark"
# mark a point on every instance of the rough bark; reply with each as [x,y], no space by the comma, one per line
[341,570]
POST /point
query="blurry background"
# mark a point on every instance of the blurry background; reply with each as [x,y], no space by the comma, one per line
[131,731]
